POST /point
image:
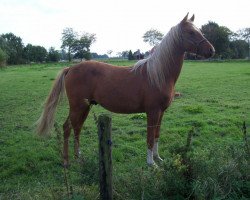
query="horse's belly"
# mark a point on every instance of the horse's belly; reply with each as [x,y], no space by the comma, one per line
[121,103]
[123,109]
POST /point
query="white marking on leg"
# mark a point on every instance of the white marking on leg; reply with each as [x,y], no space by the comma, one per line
[155,148]
[155,151]
[150,159]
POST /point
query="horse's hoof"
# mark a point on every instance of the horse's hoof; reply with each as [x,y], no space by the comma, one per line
[158,159]
[152,165]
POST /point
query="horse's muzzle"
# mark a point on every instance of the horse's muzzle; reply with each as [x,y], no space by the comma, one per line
[207,52]
[210,53]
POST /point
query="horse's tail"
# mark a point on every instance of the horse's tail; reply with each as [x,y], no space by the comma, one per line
[46,120]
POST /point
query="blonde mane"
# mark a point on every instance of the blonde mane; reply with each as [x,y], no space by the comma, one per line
[159,64]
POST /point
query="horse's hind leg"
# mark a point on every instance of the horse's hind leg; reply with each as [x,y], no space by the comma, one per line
[77,117]
[67,130]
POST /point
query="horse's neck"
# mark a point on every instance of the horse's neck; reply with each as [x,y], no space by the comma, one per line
[175,67]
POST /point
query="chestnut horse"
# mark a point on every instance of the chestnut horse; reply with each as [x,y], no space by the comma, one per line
[148,86]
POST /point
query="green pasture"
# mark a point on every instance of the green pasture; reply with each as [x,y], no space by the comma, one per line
[214,103]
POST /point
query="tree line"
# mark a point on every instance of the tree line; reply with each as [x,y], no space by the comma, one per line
[228,45]
[13,51]
[74,45]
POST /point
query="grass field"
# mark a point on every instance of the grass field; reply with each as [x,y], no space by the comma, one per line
[214,104]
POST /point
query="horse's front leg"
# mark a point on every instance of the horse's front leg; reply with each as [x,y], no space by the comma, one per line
[156,142]
[153,118]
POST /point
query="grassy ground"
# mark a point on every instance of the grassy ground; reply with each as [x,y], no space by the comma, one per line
[215,165]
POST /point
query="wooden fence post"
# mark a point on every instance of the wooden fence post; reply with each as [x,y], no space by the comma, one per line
[105,157]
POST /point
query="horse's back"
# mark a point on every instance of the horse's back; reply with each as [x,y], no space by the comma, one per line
[97,69]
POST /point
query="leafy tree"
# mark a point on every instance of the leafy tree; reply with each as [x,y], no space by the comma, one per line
[219,36]
[13,47]
[245,35]
[125,54]
[130,55]
[69,37]
[63,55]
[83,55]
[35,53]
[53,55]
[3,43]
[3,58]
[28,53]
[238,49]
[81,46]
[41,53]
[153,37]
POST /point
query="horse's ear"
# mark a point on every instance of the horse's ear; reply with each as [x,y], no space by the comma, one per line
[185,18]
[192,19]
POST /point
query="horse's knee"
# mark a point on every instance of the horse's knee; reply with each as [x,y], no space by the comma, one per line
[150,141]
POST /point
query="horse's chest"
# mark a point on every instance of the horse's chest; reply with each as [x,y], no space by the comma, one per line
[159,100]
[164,100]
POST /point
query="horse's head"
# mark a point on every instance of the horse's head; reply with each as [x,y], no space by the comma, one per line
[193,40]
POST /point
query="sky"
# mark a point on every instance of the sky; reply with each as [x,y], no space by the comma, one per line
[118,25]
